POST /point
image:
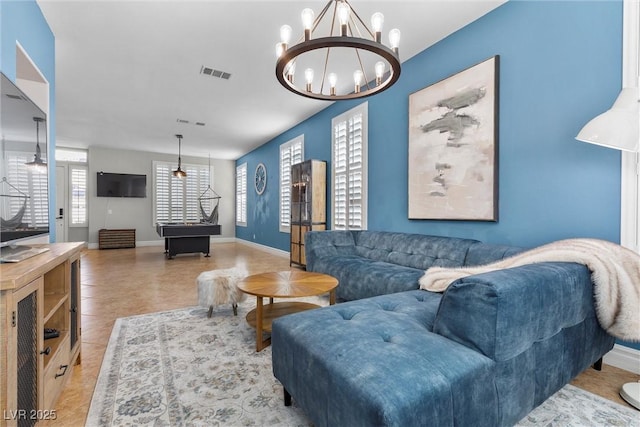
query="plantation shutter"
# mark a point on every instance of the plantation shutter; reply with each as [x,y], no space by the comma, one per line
[241,194]
[78,195]
[161,191]
[191,195]
[340,177]
[33,183]
[290,153]
[176,199]
[349,170]
[355,166]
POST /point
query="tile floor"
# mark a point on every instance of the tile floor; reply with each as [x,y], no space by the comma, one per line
[125,282]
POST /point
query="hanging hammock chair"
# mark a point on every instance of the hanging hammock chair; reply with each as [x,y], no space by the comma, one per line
[16,220]
[209,194]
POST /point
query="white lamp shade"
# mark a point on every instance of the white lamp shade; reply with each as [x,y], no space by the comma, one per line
[617,128]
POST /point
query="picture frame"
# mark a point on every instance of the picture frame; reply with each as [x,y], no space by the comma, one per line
[453,146]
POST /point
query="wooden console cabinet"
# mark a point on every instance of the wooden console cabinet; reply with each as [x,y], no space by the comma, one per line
[37,293]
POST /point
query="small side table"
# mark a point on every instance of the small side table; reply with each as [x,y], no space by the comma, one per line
[283,284]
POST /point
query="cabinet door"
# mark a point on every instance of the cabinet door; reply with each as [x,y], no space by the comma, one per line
[75,303]
[295,253]
[305,191]
[24,358]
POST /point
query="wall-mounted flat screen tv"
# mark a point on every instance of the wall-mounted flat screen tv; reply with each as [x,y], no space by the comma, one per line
[121,185]
[24,196]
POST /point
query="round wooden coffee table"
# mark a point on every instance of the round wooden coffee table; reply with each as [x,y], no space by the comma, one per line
[283,284]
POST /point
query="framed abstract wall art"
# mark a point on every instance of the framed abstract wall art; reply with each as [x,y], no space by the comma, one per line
[453,146]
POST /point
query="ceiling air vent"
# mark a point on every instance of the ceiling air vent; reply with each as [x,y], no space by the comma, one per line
[186,122]
[15,97]
[208,71]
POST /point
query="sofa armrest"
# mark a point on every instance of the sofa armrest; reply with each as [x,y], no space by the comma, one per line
[503,313]
[318,244]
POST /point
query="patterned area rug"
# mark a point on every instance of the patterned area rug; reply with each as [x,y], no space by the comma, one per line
[180,368]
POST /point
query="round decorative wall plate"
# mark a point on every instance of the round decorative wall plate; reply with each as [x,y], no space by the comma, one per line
[260,178]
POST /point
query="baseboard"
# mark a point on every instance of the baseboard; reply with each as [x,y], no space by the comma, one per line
[623,357]
[273,251]
[141,243]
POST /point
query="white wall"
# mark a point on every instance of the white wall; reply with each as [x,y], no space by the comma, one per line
[138,212]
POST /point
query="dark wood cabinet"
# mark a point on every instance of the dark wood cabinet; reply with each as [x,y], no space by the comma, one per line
[308,205]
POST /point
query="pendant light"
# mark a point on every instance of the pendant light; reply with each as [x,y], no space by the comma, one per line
[179,173]
[617,127]
[37,165]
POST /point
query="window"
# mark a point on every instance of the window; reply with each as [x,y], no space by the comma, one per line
[78,200]
[291,152]
[71,155]
[75,164]
[630,173]
[241,195]
[349,170]
[175,199]
[36,212]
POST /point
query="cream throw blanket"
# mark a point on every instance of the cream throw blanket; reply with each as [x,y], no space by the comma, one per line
[615,272]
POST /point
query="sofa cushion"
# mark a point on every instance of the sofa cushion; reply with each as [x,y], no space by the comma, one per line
[412,250]
[484,253]
[497,313]
[367,278]
[328,244]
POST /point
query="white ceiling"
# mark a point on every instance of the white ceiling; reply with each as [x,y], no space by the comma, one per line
[126,71]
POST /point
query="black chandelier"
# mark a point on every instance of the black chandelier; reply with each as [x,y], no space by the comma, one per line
[37,164]
[387,67]
[179,173]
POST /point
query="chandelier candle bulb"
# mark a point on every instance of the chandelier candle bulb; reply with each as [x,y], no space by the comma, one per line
[280,48]
[377,19]
[343,16]
[379,72]
[307,22]
[394,39]
[308,75]
[285,35]
[291,70]
[333,79]
[357,79]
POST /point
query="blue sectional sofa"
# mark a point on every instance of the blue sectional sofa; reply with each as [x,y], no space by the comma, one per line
[484,353]
[370,263]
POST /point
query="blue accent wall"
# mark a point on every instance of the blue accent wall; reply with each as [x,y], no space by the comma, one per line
[22,21]
[560,66]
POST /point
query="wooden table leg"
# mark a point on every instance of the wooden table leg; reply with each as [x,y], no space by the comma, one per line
[332,297]
[259,343]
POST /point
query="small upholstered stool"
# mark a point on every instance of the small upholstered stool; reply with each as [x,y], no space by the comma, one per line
[217,287]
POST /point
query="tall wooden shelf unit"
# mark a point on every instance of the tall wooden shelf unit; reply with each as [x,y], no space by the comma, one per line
[308,205]
[37,293]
